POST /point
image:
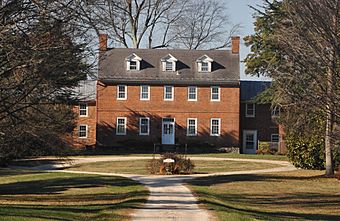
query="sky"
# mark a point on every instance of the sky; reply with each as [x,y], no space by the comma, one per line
[240,12]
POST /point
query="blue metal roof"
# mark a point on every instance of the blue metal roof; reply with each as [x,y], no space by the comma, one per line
[250,89]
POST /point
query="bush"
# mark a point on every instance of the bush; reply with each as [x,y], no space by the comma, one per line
[264,148]
[306,153]
[182,165]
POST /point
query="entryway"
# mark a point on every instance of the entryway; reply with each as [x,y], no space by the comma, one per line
[249,141]
[168,131]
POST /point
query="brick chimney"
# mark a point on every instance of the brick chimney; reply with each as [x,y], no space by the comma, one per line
[102,42]
[235,44]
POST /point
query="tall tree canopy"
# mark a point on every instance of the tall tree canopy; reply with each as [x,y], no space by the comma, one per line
[296,44]
[40,64]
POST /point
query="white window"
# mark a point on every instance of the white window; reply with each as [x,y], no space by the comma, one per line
[133,62]
[121,126]
[215,127]
[83,110]
[82,131]
[205,67]
[133,65]
[204,63]
[144,126]
[121,92]
[191,127]
[168,66]
[192,93]
[215,93]
[250,110]
[168,93]
[169,63]
[275,138]
[145,92]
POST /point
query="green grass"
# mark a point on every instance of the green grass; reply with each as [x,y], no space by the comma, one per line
[140,166]
[29,195]
[296,195]
[242,156]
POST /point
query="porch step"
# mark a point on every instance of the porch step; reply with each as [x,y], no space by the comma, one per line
[168,148]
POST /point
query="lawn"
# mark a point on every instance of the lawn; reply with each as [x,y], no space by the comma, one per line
[242,156]
[296,195]
[29,195]
[140,166]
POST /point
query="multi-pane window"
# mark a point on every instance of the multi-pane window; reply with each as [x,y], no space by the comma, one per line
[121,92]
[82,131]
[192,127]
[83,109]
[275,138]
[168,66]
[204,66]
[215,127]
[250,141]
[215,93]
[145,92]
[121,126]
[144,126]
[133,65]
[250,110]
[192,93]
[168,93]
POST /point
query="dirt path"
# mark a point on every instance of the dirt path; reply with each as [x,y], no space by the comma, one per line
[169,199]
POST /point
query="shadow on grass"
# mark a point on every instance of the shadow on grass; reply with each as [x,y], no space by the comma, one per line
[12,172]
[270,205]
[213,180]
[63,212]
[58,185]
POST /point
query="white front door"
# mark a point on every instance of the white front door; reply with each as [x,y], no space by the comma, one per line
[249,141]
[168,131]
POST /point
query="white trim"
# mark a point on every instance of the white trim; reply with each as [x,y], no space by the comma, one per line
[140,126]
[169,58]
[191,135]
[172,93]
[86,109]
[204,59]
[141,92]
[254,110]
[244,143]
[86,131]
[271,138]
[219,127]
[133,57]
[119,118]
[219,93]
[125,92]
[195,93]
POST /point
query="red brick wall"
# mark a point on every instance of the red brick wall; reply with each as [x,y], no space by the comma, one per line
[109,108]
[90,121]
[262,122]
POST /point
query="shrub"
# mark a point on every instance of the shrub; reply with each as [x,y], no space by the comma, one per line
[182,165]
[306,153]
[264,148]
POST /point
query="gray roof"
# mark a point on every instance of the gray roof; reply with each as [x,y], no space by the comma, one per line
[225,68]
[250,89]
[86,91]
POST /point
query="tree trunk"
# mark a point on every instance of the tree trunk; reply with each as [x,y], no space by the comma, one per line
[329,124]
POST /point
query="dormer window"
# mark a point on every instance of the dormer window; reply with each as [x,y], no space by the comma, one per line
[204,63]
[133,62]
[169,63]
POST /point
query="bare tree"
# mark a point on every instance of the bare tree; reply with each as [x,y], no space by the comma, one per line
[160,23]
[309,39]
[204,24]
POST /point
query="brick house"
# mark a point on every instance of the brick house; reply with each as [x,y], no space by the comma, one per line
[86,125]
[257,120]
[148,96]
